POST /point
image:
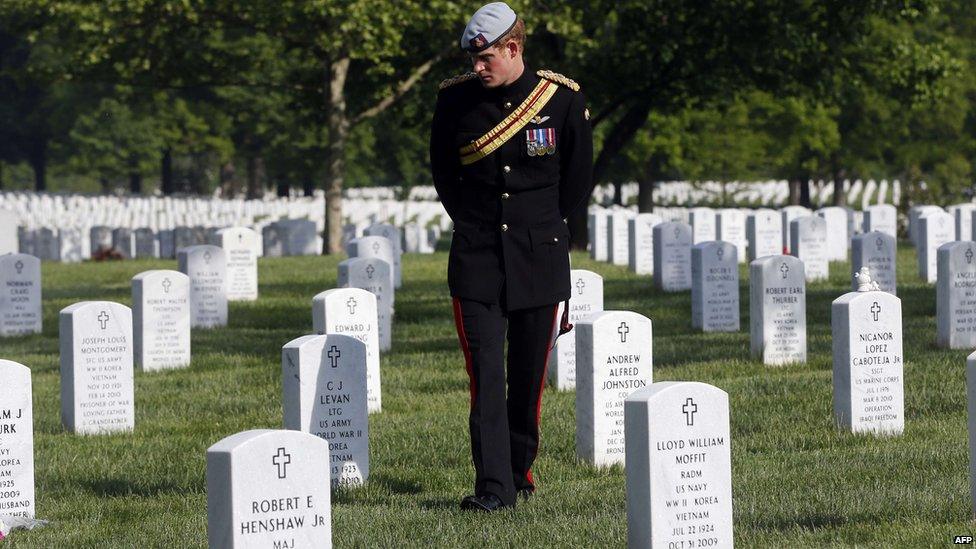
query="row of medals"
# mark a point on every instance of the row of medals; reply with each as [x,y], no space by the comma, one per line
[539,150]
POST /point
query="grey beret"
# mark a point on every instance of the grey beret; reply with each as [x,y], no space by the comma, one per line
[487,26]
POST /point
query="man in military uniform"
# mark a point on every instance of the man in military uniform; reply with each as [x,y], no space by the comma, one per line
[512,156]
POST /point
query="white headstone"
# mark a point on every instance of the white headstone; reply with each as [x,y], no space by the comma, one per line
[20,295]
[787,215]
[679,467]
[324,393]
[702,222]
[392,234]
[837,237]
[240,248]
[882,218]
[963,219]
[935,229]
[876,251]
[672,256]
[640,243]
[269,488]
[96,368]
[956,295]
[352,312]
[378,247]
[598,235]
[206,265]
[764,231]
[618,237]
[8,232]
[161,319]
[373,275]
[613,359]
[715,287]
[16,440]
[587,298]
[778,310]
[809,243]
[868,362]
[731,227]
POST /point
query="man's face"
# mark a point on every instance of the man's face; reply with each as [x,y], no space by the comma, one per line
[495,66]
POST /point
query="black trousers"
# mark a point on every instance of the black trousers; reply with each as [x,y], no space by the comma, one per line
[504,424]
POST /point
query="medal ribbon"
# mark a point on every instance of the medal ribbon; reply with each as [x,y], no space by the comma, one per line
[507,128]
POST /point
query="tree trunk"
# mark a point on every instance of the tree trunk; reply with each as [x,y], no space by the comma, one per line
[106,185]
[282,189]
[308,185]
[645,194]
[38,162]
[135,183]
[794,192]
[838,173]
[618,193]
[805,193]
[338,134]
[255,171]
[166,169]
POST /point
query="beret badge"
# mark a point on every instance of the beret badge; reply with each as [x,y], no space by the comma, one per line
[479,41]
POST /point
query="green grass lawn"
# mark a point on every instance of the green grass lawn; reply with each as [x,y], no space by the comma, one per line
[797,481]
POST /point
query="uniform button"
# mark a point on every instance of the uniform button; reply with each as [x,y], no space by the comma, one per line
[506,169]
[504,227]
[505,196]
[508,104]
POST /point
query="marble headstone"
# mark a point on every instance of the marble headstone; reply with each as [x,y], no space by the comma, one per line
[206,265]
[702,222]
[161,319]
[269,488]
[715,287]
[731,227]
[372,275]
[352,312]
[679,466]
[598,235]
[835,219]
[935,229]
[876,251]
[16,440]
[672,256]
[868,362]
[392,234]
[764,232]
[587,298]
[778,310]
[613,359]
[809,243]
[882,218]
[618,237]
[20,295]
[955,295]
[96,368]
[240,248]
[640,245]
[324,393]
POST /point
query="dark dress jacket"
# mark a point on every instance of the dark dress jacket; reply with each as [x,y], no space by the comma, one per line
[510,242]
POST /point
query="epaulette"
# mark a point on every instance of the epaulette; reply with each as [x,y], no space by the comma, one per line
[559,79]
[458,79]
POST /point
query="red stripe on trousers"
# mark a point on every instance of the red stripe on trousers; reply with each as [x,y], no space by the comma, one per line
[463,338]
[542,384]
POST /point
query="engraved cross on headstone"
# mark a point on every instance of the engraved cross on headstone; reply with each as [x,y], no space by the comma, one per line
[969,256]
[689,409]
[166,284]
[207,256]
[623,330]
[102,319]
[875,310]
[19,266]
[370,270]
[720,252]
[352,305]
[240,238]
[281,459]
[785,269]
[376,247]
[677,232]
[580,284]
[334,354]
[880,243]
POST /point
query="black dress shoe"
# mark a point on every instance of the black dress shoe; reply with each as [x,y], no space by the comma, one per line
[524,493]
[486,503]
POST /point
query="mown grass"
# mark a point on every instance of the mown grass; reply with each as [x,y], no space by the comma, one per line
[797,481]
